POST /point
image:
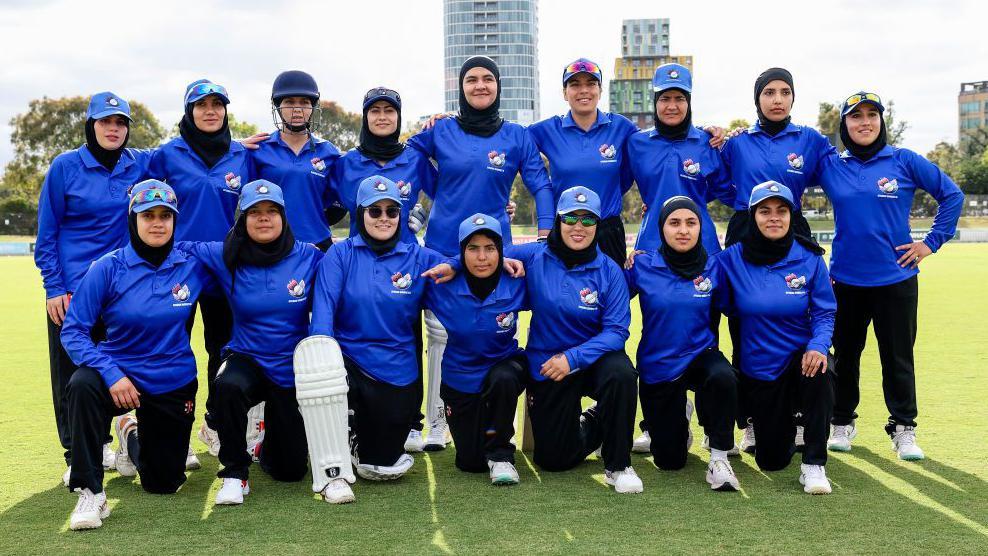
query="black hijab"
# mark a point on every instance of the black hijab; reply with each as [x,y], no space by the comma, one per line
[153,255]
[378,246]
[762,251]
[483,287]
[209,146]
[240,250]
[863,153]
[380,148]
[484,122]
[107,159]
[690,264]
[569,256]
[674,132]
[766,77]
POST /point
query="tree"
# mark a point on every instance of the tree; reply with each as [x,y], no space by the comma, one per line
[947,157]
[894,130]
[338,125]
[238,129]
[974,142]
[738,123]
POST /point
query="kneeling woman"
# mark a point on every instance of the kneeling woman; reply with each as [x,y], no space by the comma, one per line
[678,351]
[779,288]
[266,276]
[483,369]
[580,318]
[367,297]
[144,294]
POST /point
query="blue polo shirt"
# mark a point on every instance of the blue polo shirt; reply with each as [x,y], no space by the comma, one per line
[582,312]
[785,307]
[270,305]
[595,158]
[207,201]
[675,316]
[871,203]
[481,332]
[411,171]
[476,174]
[145,311]
[371,303]
[304,182]
[664,169]
[792,157]
[82,214]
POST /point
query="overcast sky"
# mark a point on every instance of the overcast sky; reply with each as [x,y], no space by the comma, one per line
[915,52]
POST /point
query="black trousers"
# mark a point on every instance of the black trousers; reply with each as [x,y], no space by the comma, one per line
[217,325]
[61,369]
[612,240]
[892,310]
[663,406]
[158,451]
[240,385]
[381,415]
[483,423]
[771,404]
[565,434]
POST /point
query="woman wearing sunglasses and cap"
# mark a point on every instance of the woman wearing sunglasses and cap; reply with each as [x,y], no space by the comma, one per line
[82,215]
[143,294]
[777,285]
[580,318]
[206,169]
[875,263]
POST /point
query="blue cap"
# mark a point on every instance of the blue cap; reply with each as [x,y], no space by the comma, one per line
[152,193]
[476,223]
[382,93]
[106,104]
[202,88]
[578,198]
[769,189]
[859,98]
[672,76]
[260,190]
[582,65]
[375,188]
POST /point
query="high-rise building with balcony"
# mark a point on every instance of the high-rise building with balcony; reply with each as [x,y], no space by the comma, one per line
[972,107]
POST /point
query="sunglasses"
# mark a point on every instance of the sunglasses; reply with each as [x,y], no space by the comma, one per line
[587,220]
[149,195]
[855,99]
[382,92]
[376,212]
[578,67]
[204,89]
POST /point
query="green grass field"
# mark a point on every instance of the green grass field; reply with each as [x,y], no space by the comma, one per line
[879,504]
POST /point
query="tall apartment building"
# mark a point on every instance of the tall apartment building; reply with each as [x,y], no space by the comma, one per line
[972,107]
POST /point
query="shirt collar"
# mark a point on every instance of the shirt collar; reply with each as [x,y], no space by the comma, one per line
[790,128]
[886,152]
[603,118]
[399,160]
[400,247]
[592,264]
[501,292]
[693,134]
[90,161]
[132,259]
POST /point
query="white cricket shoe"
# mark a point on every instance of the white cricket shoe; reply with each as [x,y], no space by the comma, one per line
[414,442]
[384,472]
[841,437]
[642,444]
[814,479]
[735,451]
[748,440]
[124,426]
[625,481]
[232,492]
[503,473]
[90,510]
[438,436]
[209,437]
[904,443]
[192,461]
[109,457]
[68,473]
[798,440]
[720,476]
[337,491]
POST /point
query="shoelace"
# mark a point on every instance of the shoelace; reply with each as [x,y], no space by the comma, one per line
[814,472]
[842,431]
[501,468]
[906,437]
[87,501]
[720,465]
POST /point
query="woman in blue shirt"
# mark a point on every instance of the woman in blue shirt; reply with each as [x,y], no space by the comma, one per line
[82,215]
[483,369]
[678,289]
[778,286]
[143,294]
[875,263]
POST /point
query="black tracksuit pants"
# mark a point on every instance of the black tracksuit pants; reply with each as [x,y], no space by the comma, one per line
[612,240]
[217,325]
[382,413]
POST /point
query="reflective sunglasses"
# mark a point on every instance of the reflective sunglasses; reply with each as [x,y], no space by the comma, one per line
[149,195]
[382,92]
[855,99]
[375,212]
[204,89]
[577,67]
[587,220]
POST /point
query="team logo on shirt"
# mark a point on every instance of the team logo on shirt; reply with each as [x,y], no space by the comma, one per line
[588,297]
[702,284]
[233,182]
[180,292]
[404,189]
[505,320]
[401,282]
[795,161]
[887,186]
[296,288]
[496,160]
[318,164]
[607,152]
[794,282]
[690,167]
[190,406]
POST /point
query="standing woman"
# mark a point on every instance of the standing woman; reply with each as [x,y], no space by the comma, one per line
[580,318]
[479,155]
[679,288]
[82,215]
[206,169]
[779,289]
[875,263]
[587,147]
[143,294]
[484,370]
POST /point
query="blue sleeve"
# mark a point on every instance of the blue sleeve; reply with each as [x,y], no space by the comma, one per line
[51,210]
[823,151]
[629,278]
[143,158]
[524,252]
[157,166]
[627,178]
[330,279]
[723,295]
[84,311]
[719,185]
[428,177]
[537,181]
[332,160]
[424,141]
[614,330]
[934,181]
[823,308]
